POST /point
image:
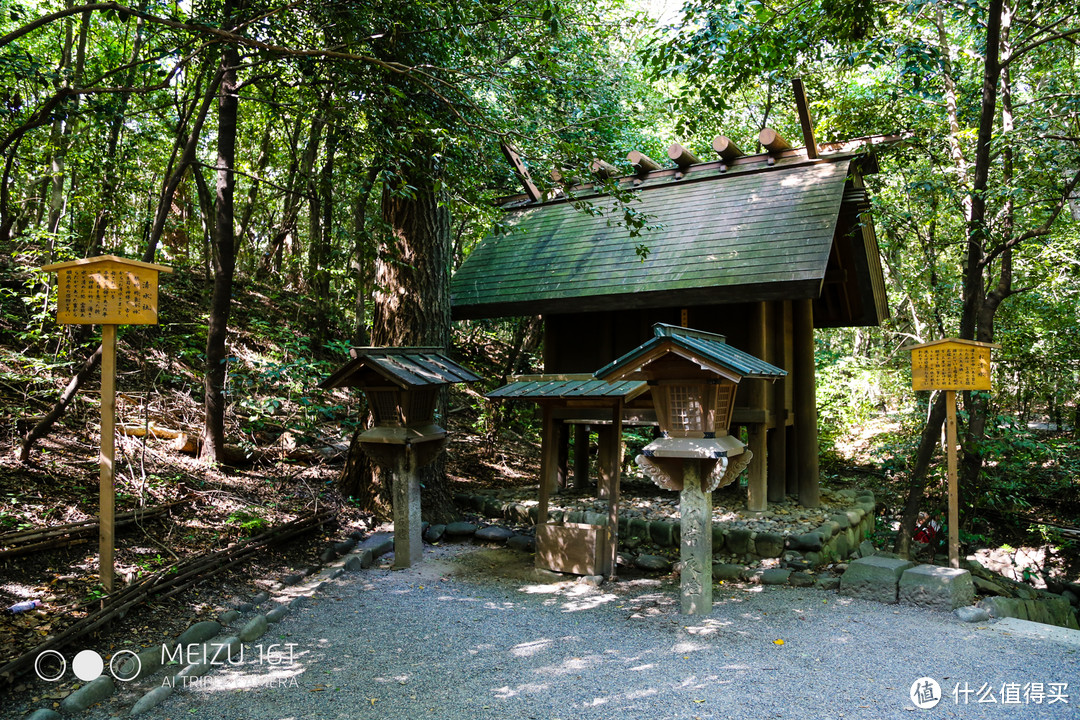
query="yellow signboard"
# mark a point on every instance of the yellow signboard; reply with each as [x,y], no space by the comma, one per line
[107,290]
[951,364]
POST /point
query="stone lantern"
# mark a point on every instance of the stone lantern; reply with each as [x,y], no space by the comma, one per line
[402,386]
[692,377]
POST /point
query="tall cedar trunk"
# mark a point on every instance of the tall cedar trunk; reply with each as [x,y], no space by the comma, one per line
[412,307]
[224,257]
[362,254]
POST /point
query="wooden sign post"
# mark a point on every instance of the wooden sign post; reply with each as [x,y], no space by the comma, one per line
[109,291]
[950,365]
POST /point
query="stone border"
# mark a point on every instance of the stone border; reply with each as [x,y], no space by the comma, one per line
[836,540]
[244,623]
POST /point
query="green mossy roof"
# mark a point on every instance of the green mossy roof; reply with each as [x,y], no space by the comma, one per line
[754,234]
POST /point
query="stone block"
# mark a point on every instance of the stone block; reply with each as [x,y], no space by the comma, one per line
[151,699]
[199,632]
[654,563]
[379,544]
[493,534]
[828,582]
[660,531]
[936,587]
[769,545]
[972,614]
[718,537]
[726,571]
[92,692]
[874,578]
[841,520]
[800,579]
[44,714]
[277,614]
[775,576]
[867,549]
[738,541]
[638,528]
[434,533]
[254,629]
[841,546]
[460,530]
[810,541]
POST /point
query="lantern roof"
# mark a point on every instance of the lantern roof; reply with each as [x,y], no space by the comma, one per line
[708,350]
[558,387]
[405,367]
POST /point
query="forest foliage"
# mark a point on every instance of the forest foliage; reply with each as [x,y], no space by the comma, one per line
[297,145]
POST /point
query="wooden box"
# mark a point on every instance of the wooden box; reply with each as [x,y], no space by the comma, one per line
[574,548]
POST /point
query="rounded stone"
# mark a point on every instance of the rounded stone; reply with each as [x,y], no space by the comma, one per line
[769,545]
[460,530]
[655,563]
[738,541]
[493,534]
[800,579]
[90,693]
[199,632]
[151,699]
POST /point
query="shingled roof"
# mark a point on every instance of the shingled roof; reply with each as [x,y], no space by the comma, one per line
[752,231]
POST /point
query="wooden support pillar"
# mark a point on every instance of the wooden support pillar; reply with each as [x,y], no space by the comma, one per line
[695,545]
[806,428]
[106,489]
[757,473]
[564,455]
[549,456]
[604,474]
[610,468]
[581,456]
[954,495]
[777,442]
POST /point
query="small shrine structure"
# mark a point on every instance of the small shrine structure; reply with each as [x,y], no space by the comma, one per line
[761,248]
[402,387]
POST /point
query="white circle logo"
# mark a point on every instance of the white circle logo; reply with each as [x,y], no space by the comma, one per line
[43,673]
[925,693]
[87,665]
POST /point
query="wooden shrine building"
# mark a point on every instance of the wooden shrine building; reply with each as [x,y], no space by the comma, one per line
[762,249]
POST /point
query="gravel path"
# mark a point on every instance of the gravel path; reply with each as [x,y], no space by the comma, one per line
[475,633]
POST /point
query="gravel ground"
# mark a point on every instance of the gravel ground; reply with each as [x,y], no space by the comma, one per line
[476,633]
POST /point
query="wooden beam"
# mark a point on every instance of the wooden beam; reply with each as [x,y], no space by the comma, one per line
[643,164]
[603,170]
[682,157]
[581,457]
[806,429]
[726,148]
[521,171]
[757,473]
[106,489]
[805,120]
[772,141]
[777,441]
[549,460]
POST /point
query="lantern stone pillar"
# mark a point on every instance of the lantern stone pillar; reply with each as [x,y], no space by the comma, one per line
[408,543]
[695,546]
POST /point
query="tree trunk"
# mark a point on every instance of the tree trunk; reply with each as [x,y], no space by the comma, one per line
[931,433]
[412,307]
[362,254]
[213,448]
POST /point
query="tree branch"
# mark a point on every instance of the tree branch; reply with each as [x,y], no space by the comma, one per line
[1040,231]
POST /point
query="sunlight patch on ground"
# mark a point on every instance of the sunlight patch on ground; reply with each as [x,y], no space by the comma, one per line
[506,692]
[529,649]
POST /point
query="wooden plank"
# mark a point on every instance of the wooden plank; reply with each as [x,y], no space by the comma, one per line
[757,473]
[106,489]
[549,461]
[805,121]
[805,392]
[954,496]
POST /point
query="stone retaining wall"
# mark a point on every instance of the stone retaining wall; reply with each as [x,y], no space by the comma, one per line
[836,540]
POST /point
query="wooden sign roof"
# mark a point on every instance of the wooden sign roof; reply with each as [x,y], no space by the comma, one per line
[750,232]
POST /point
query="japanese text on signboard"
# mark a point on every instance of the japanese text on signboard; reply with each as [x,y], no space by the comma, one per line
[107,294]
[950,366]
